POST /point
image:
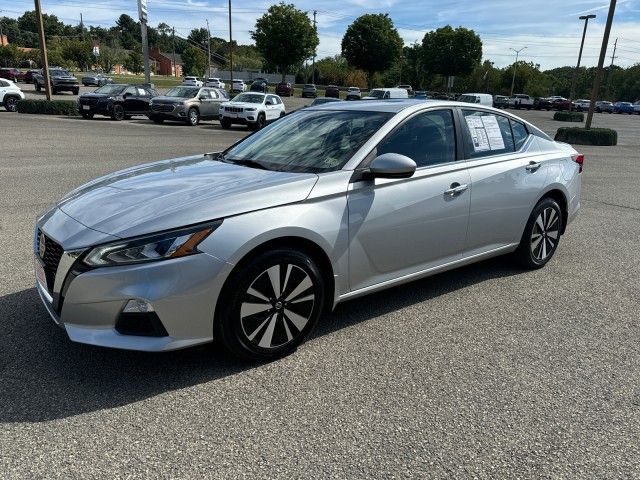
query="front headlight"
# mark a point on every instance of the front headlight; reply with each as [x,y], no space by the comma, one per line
[171,244]
[250,109]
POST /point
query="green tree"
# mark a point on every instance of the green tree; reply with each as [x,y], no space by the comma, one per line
[371,43]
[108,58]
[450,52]
[127,32]
[194,61]
[77,52]
[134,62]
[199,36]
[9,55]
[285,37]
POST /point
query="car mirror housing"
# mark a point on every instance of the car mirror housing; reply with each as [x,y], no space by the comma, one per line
[391,165]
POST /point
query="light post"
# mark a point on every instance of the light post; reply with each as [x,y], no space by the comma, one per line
[586,19]
[230,48]
[515,66]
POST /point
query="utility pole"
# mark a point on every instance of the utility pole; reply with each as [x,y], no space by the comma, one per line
[313,64]
[142,14]
[615,47]
[515,66]
[603,52]
[208,50]
[43,50]
[230,48]
[572,93]
[175,67]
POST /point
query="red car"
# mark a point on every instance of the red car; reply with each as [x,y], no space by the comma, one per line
[12,74]
[284,89]
[332,91]
[561,104]
[28,77]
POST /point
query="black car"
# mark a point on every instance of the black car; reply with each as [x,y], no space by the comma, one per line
[542,104]
[117,101]
[259,85]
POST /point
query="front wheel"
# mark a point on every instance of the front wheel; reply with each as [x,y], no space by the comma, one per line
[270,305]
[118,112]
[11,104]
[541,234]
[193,118]
[261,122]
[226,123]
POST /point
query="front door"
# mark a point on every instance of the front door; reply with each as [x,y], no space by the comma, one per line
[399,227]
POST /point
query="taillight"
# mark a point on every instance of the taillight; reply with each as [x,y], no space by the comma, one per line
[579,159]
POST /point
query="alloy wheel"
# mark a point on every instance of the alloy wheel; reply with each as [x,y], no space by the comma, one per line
[545,234]
[193,117]
[11,104]
[277,306]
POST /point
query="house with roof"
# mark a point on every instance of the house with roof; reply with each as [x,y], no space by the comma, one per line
[169,64]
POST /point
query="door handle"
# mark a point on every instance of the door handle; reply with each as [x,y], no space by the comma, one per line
[456,189]
[533,166]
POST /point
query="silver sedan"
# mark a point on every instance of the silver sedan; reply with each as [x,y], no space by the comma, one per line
[251,245]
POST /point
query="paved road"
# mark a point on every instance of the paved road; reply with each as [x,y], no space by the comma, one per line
[483,372]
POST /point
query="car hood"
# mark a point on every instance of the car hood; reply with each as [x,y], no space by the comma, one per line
[241,104]
[64,77]
[98,95]
[173,193]
[163,99]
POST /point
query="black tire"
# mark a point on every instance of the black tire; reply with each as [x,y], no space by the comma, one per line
[283,114]
[158,121]
[282,320]
[76,91]
[117,113]
[11,103]
[261,122]
[193,117]
[541,235]
[226,123]
[87,116]
[38,87]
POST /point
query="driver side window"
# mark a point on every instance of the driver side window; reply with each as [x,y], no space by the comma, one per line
[130,91]
[427,138]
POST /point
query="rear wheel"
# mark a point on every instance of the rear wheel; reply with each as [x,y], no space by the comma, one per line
[270,305]
[38,87]
[541,234]
[118,112]
[11,103]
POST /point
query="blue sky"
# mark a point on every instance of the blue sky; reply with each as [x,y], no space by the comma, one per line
[550,30]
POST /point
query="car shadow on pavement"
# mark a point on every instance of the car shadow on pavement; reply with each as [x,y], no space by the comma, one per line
[45,376]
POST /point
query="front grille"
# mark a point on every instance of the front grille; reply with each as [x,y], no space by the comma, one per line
[51,258]
[89,101]
[234,109]
[162,108]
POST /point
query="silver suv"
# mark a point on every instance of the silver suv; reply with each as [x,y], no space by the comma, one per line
[187,104]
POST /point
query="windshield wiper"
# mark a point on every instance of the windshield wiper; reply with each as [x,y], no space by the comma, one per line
[243,161]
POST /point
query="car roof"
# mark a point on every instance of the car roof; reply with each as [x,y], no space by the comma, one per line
[390,106]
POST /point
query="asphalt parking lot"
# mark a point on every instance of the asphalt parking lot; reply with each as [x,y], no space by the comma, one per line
[483,372]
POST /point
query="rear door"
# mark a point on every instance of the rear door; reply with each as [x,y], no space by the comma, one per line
[272,108]
[400,227]
[206,104]
[508,174]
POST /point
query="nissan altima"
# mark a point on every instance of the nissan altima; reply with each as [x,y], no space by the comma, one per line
[250,245]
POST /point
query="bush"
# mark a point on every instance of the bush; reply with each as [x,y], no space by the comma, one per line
[569,116]
[45,107]
[593,136]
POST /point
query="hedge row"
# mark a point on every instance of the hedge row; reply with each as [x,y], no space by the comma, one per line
[593,136]
[569,116]
[46,107]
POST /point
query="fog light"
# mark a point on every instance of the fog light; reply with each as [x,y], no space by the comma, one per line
[138,306]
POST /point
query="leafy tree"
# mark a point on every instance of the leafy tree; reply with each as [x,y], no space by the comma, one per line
[194,61]
[199,36]
[108,58]
[451,52]
[28,22]
[77,52]
[134,62]
[9,55]
[372,43]
[285,36]
[127,31]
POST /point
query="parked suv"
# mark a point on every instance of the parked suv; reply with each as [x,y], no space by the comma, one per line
[581,104]
[61,81]
[117,101]
[332,91]
[97,79]
[542,104]
[192,82]
[603,106]
[259,85]
[214,82]
[187,104]
[238,86]
[284,89]
[252,109]
[10,95]
[309,90]
[521,100]
[353,93]
[12,74]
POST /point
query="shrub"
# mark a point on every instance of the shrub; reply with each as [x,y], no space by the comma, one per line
[569,116]
[593,136]
[46,107]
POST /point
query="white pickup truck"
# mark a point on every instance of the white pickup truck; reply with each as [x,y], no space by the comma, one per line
[521,101]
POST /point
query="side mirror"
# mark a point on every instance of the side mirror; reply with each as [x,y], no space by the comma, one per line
[268,102]
[391,165]
[126,95]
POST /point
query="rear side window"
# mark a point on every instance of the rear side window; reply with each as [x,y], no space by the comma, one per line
[487,134]
[520,134]
[3,83]
[427,138]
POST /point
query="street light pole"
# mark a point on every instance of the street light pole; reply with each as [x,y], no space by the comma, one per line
[603,53]
[586,19]
[515,66]
[230,48]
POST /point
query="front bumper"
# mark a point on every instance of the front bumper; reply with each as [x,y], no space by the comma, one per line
[100,108]
[244,118]
[89,304]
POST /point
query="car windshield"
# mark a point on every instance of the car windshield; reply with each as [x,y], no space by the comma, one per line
[309,86]
[182,92]
[249,98]
[376,93]
[59,73]
[320,101]
[309,140]
[111,89]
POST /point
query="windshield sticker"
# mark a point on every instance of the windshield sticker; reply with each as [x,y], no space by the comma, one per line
[485,133]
